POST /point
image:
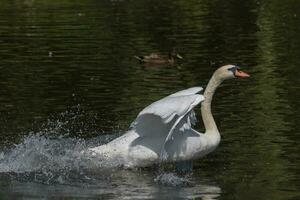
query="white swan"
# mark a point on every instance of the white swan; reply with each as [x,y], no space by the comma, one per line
[162,132]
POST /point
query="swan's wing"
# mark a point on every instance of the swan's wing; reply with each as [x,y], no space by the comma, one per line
[170,106]
[189,91]
[158,117]
[175,145]
[159,123]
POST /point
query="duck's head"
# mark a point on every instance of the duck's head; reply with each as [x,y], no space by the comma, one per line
[175,54]
[230,71]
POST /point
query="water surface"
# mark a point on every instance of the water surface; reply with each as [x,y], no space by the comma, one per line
[68,81]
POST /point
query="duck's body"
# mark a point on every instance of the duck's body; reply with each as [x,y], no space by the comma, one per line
[162,132]
[154,58]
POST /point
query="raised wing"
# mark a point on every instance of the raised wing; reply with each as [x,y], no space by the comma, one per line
[161,119]
[174,104]
[189,91]
[168,108]
[175,145]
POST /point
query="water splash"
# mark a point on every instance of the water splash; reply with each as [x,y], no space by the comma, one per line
[50,155]
[37,152]
[47,160]
[72,122]
[186,186]
[171,179]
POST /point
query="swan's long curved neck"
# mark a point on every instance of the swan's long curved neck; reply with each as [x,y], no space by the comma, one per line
[208,120]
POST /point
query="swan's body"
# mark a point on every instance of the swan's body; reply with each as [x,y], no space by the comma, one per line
[162,132]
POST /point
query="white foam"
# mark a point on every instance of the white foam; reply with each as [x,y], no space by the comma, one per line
[171,179]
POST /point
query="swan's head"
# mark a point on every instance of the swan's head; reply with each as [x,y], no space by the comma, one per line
[230,71]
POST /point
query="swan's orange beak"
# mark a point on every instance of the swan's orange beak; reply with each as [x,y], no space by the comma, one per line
[239,73]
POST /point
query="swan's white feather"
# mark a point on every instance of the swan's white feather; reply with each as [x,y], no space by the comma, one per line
[169,116]
[161,131]
[189,91]
[172,105]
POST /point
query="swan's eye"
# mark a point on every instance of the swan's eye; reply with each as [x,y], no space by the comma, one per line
[233,69]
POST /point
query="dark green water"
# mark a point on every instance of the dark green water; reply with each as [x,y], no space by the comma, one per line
[68,79]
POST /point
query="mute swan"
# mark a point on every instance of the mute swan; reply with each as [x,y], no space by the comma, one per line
[162,132]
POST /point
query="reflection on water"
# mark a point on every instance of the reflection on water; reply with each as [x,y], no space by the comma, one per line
[68,80]
[120,184]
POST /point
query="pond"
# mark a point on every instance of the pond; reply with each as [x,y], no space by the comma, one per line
[69,81]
